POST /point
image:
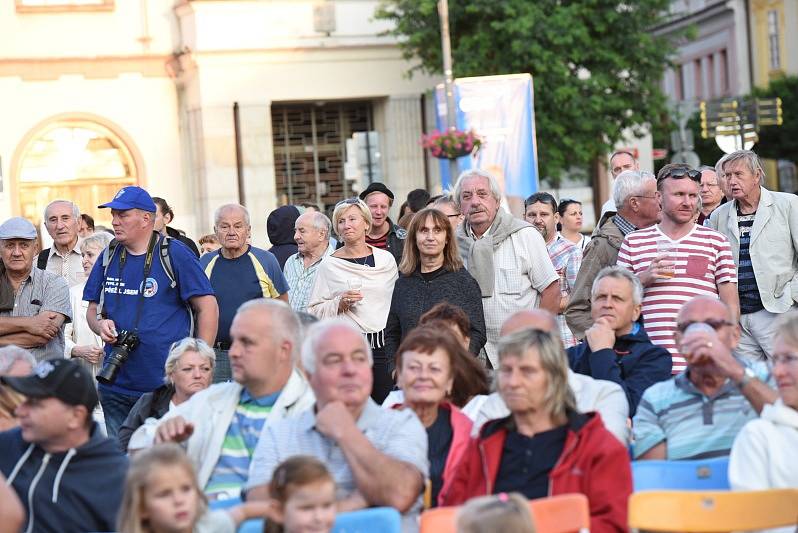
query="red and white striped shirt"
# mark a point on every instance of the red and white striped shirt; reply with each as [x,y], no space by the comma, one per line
[703,260]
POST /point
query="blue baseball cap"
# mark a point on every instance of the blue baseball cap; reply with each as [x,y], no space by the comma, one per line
[131,197]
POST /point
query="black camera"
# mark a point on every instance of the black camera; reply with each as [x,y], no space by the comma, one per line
[125,343]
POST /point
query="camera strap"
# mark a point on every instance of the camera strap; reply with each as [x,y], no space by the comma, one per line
[147,269]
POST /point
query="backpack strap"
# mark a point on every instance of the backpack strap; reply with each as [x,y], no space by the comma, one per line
[108,255]
[166,260]
[41,261]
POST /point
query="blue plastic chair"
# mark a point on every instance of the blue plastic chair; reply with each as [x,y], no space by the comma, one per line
[696,474]
[374,520]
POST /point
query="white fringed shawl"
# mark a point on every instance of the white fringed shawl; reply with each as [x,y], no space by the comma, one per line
[371,313]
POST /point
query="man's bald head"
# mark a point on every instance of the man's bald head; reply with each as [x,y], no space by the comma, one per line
[711,311]
[534,319]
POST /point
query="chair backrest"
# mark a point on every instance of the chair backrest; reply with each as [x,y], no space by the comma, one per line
[698,474]
[712,511]
[567,513]
[374,520]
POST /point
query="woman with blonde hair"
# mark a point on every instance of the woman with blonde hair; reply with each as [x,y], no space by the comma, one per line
[544,447]
[432,272]
[356,283]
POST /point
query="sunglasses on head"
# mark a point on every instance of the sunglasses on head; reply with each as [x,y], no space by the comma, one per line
[679,173]
[348,201]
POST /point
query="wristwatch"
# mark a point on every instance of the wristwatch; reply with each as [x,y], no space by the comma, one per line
[748,375]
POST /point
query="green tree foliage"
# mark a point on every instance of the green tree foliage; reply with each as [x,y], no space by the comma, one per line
[596,66]
[781,142]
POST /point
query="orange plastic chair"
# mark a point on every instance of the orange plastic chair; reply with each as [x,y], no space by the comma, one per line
[712,511]
[566,513]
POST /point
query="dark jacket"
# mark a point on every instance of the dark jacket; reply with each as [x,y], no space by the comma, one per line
[601,251]
[74,491]
[153,404]
[634,363]
[280,229]
[593,463]
[180,236]
[413,296]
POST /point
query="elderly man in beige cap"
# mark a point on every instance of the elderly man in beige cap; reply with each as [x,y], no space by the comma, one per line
[34,304]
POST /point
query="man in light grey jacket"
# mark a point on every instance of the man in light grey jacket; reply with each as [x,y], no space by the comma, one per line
[762,227]
[220,421]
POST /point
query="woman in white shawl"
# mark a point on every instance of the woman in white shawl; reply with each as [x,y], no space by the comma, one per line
[356,283]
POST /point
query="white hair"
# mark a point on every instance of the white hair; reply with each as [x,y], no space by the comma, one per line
[75,209]
[319,221]
[476,173]
[189,344]
[99,240]
[11,354]
[285,323]
[222,208]
[750,159]
[629,183]
[317,333]
[619,273]
[719,166]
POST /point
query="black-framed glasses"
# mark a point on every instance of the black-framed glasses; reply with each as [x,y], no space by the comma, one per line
[715,324]
[643,196]
[679,173]
[454,216]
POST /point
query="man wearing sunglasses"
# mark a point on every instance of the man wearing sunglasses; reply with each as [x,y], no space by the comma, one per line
[698,413]
[762,227]
[678,259]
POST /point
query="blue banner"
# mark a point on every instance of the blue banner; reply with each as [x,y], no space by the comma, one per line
[500,109]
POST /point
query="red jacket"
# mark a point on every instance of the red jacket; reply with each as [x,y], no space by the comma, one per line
[593,463]
[461,436]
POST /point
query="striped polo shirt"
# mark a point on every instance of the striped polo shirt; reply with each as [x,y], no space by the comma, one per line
[232,469]
[703,260]
[693,425]
[750,300]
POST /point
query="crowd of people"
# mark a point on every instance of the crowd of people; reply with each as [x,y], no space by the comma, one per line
[463,356]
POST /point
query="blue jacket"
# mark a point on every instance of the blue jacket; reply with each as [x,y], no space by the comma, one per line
[73,491]
[634,363]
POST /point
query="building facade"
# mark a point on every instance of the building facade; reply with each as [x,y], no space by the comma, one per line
[202,102]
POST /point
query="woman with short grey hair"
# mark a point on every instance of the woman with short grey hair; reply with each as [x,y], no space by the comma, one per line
[188,369]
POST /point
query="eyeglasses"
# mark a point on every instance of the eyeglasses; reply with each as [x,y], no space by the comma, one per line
[708,185]
[679,173]
[713,323]
[786,359]
[541,197]
[643,196]
[454,216]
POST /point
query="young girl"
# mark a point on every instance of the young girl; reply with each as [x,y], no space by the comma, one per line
[162,496]
[303,497]
[501,512]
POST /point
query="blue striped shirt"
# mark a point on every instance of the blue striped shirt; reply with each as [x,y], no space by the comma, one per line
[750,301]
[239,444]
[300,279]
[693,425]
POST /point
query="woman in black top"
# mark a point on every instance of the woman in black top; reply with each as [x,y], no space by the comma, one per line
[188,369]
[431,272]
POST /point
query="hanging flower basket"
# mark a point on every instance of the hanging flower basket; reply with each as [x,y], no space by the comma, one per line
[451,144]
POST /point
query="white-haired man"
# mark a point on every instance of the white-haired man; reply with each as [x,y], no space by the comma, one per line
[238,272]
[636,197]
[62,221]
[312,236]
[506,256]
[616,347]
[377,457]
[228,418]
[620,161]
[762,227]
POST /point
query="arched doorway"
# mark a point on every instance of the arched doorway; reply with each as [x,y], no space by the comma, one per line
[76,159]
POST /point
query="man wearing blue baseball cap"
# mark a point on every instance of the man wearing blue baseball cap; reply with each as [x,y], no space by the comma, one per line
[34,304]
[147,292]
